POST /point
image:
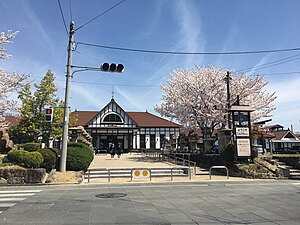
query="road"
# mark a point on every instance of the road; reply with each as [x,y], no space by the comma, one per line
[210,202]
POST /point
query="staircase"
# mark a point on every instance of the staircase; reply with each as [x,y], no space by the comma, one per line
[294,174]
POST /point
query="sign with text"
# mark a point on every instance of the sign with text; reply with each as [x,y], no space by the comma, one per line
[243,147]
[242,131]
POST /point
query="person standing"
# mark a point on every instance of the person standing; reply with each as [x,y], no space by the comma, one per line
[112,151]
[119,150]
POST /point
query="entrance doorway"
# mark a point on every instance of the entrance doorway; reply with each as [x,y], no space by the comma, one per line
[107,141]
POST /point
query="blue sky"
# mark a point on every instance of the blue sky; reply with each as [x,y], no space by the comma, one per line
[168,25]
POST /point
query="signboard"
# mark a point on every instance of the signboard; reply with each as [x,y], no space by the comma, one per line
[140,173]
[243,147]
[242,131]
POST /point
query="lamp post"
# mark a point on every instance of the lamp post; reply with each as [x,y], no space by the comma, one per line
[63,159]
[227,78]
[119,68]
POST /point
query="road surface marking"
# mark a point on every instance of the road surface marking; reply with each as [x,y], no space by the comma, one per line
[25,191]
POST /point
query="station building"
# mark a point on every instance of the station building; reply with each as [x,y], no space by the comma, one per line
[130,130]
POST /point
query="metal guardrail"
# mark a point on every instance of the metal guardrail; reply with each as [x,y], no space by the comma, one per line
[185,162]
[128,173]
[218,167]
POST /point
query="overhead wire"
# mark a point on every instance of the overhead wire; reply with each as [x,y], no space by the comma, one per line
[63,18]
[186,53]
[273,63]
[85,54]
[281,73]
[101,14]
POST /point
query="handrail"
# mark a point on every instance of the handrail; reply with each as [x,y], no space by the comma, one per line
[218,167]
[183,160]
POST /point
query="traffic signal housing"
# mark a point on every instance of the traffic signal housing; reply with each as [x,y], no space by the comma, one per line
[106,67]
[49,115]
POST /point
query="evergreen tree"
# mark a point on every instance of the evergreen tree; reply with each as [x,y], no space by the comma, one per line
[32,124]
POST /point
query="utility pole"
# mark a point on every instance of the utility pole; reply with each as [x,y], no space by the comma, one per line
[63,158]
[228,98]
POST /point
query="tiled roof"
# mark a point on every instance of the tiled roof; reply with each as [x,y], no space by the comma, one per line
[145,119]
[83,117]
[280,134]
[272,127]
[142,119]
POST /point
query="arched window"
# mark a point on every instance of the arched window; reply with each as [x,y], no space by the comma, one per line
[112,118]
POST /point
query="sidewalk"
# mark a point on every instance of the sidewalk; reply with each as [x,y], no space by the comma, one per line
[128,160]
[137,160]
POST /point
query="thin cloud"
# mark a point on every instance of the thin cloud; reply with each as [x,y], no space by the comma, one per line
[191,37]
[87,95]
[35,22]
[130,98]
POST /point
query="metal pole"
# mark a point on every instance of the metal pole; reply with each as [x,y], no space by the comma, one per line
[63,158]
[228,98]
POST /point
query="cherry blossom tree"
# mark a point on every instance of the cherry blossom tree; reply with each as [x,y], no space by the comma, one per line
[197,98]
[9,82]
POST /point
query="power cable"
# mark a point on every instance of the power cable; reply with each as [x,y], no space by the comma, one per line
[187,53]
[63,18]
[118,85]
[101,14]
[273,63]
[283,73]
[82,53]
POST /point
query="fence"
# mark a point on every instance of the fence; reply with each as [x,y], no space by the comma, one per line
[172,158]
[181,161]
[129,173]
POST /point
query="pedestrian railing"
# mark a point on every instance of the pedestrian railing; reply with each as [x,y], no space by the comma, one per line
[218,167]
[181,161]
[135,173]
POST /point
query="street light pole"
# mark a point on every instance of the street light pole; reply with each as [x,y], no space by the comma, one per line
[63,158]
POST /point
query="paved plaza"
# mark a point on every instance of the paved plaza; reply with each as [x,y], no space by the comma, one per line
[263,202]
[138,160]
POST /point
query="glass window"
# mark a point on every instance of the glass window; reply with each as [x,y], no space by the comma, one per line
[112,118]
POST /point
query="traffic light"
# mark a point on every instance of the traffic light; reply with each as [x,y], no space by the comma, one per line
[106,67]
[49,115]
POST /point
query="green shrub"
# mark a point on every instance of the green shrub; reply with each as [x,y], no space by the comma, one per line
[31,146]
[79,158]
[50,158]
[33,159]
[25,158]
[16,156]
[77,144]
[227,155]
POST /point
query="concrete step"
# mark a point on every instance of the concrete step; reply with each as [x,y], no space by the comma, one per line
[201,171]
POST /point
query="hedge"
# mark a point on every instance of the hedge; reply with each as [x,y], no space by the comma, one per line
[77,144]
[79,157]
[50,158]
[25,158]
[31,146]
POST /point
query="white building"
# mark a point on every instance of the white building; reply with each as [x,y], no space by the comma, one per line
[131,130]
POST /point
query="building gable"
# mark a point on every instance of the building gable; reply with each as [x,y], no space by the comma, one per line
[289,136]
[112,115]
